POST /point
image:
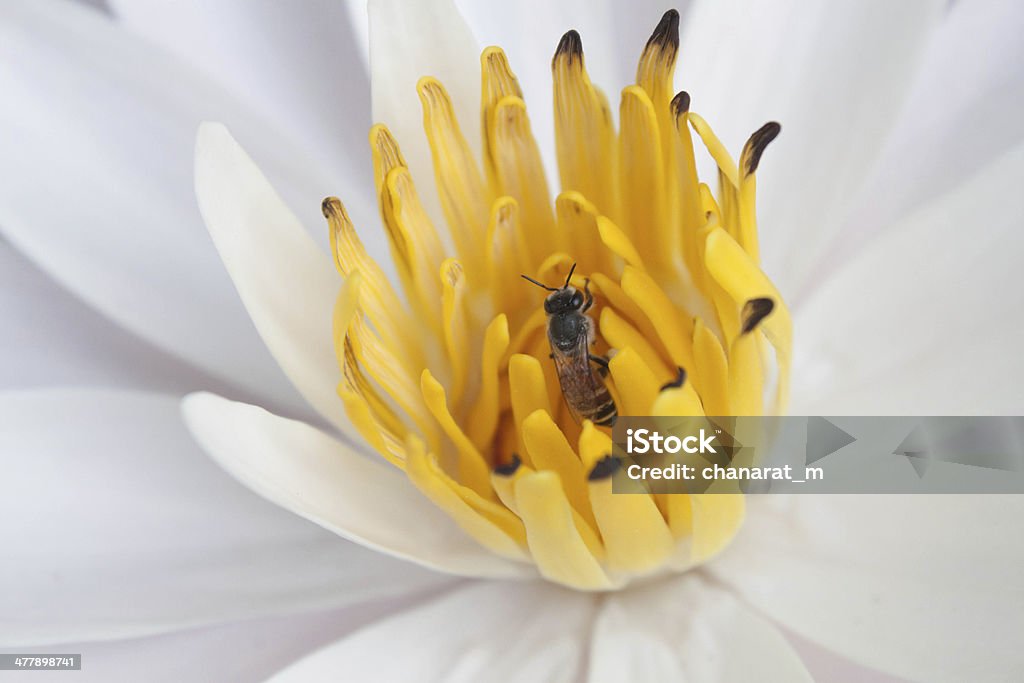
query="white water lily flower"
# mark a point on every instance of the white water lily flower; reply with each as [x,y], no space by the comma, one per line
[889,220]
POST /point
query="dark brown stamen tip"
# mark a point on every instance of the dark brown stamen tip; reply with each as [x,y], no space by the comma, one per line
[605,467]
[569,46]
[507,469]
[666,33]
[327,206]
[680,103]
[754,311]
[679,381]
[756,144]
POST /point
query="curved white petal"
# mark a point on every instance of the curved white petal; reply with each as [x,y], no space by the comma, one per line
[834,75]
[96,184]
[962,112]
[687,629]
[925,320]
[409,40]
[295,62]
[927,587]
[308,472]
[359,22]
[249,650]
[114,525]
[825,665]
[50,338]
[287,282]
[525,632]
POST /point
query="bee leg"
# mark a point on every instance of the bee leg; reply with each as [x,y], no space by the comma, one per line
[590,297]
[601,362]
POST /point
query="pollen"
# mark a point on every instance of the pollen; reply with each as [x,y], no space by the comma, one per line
[448,372]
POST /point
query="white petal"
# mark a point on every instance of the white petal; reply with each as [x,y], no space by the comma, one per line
[687,629]
[296,63]
[927,587]
[248,650]
[486,632]
[409,40]
[50,339]
[96,184]
[308,472]
[825,665]
[962,112]
[286,281]
[924,320]
[359,21]
[114,524]
[834,75]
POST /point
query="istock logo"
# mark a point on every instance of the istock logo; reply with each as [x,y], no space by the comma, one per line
[645,441]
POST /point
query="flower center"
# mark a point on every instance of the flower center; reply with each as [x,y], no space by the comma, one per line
[497,406]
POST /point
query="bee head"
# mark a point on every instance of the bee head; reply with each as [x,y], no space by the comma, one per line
[563,300]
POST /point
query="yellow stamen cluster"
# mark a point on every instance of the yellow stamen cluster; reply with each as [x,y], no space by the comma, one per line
[451,380]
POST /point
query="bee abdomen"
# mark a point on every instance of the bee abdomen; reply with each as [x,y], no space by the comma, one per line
[605,413]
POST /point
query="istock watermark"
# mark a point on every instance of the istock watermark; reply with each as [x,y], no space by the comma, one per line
[645,441]
[817,454]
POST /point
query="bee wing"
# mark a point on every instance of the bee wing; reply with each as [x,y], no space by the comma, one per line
[576,376]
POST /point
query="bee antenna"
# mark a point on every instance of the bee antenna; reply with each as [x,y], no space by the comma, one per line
[539,284]
[569,276]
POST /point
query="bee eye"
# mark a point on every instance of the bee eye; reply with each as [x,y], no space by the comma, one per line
[577,300]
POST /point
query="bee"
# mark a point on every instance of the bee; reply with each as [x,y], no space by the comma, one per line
[570,333]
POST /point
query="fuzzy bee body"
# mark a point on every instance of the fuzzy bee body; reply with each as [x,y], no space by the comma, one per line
[570,333]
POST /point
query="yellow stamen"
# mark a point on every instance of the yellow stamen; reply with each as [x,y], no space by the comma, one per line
[621,335]
[519,173]
[709,356]
[577,220]
[584,134]
[493,525]
[715,148]
[636,382]
[674,327]
[549,450]
[380,363]
[505,251]
[529,392]
[678,398]
[452,378]
[623,305]
[618,242]
[748,186]
[687,200]
[470,464]
[642,163]
[378,299]
[455,323]
[594,445]
[415,246]
[636,537]
[716,519]
[561,551]
[504,478]
[739,276]
[484,416]
[379,424]
[459,182]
